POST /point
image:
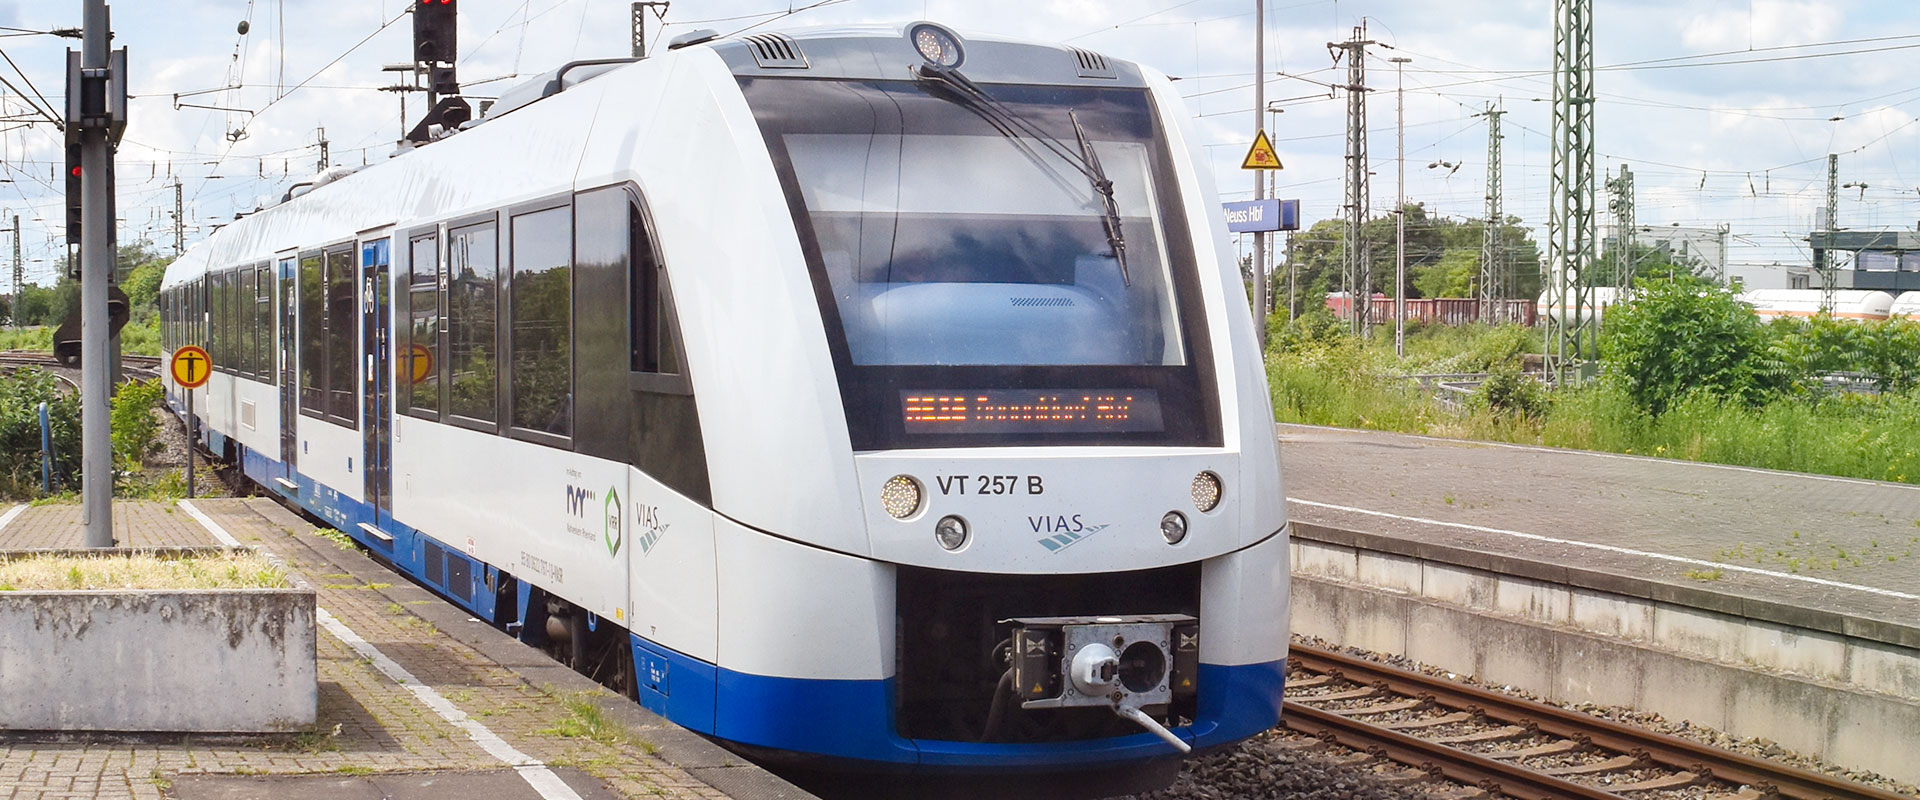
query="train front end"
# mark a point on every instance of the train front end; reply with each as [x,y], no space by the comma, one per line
[1061,445]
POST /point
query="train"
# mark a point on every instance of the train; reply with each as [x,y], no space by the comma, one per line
[876,398]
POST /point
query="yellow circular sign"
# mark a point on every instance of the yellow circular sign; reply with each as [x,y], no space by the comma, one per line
[191,367]
[419,362]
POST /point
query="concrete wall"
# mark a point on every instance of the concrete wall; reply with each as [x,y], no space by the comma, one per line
[200,661]
[1851,700]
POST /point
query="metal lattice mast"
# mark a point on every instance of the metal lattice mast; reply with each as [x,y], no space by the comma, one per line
[1356,260]
[1823,257]
[1620,203]
[1493,273]
[1570,224]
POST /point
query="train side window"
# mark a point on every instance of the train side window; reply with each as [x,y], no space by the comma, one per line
[540,321]
[343,290]
[655,347]
[422,396]
[263,322]
[243,320]
[473,321]
[313,321]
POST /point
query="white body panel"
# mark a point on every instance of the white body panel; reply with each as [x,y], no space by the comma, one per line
[1906,305]
[792,611]
[672,556]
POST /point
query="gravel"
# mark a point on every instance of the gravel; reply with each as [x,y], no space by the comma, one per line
[1279,764]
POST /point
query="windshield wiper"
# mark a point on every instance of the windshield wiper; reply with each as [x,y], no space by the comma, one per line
[1103,187]
[1017,128]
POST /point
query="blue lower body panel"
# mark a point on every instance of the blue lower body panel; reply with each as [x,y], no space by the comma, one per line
[853,720]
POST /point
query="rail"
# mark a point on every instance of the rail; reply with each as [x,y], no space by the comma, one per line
[1515,719]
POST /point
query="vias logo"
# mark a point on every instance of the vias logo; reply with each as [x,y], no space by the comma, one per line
[648,519]
[1062,530]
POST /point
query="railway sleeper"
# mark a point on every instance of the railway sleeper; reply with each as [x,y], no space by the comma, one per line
[1548,749]
[1494,735]
[1429,722]
[1673,781]
[1388,708]
[1350,694]
[1614,764]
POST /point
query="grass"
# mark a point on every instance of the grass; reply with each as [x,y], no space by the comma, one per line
[219,571]
[586,720]
[1342,384]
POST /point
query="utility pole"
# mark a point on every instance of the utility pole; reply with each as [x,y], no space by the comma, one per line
[179,220]
[19,273]
[1259,180]
[1823,256]
[1620,202]
[1493,272]
[1400,210]
[324,163]
[96,114]
[1356,261]
[1570,225]
[640,24]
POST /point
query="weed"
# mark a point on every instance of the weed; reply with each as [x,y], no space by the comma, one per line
[396,609]
[1706,574]
[314,740]
[586,720]
[1446,498]
[339,539]
[160,780]
[353,769]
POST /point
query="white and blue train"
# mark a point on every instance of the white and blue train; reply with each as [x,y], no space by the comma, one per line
[871,396]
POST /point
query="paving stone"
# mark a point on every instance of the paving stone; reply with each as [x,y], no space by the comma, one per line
[367,723]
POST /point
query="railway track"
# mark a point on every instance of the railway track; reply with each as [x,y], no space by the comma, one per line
[1524,749]
[135,366]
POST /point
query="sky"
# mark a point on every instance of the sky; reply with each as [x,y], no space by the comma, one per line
[1724,109]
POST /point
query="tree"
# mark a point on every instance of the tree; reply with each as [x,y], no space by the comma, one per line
[1431,240]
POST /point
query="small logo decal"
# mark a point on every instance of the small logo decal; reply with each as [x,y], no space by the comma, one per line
[648,518]
[615,526]
[1063,531]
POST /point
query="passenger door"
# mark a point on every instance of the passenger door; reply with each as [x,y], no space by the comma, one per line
[376,309]
[289,368]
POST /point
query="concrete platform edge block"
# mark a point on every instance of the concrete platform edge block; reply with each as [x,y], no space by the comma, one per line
[236,661]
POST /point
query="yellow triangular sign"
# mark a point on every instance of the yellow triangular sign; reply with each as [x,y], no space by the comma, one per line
[1261,155]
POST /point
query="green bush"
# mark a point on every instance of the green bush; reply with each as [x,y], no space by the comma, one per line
[1506,391]
[136,429]
[21,394]
[1680,336]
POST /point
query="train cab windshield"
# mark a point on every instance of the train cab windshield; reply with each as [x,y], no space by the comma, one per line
[972,241]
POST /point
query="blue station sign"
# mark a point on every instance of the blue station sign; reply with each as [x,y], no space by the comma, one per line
[1261,216]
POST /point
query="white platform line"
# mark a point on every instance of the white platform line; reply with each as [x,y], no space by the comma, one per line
[1611,549]
[7,518]
[1619,456]
[208,523]
[530,769]
[527,767]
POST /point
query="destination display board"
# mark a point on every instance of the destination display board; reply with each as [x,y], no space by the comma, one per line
[1031,411]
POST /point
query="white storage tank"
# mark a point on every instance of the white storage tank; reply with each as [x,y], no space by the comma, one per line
[1906,305]
[1849,304]
[1598,298]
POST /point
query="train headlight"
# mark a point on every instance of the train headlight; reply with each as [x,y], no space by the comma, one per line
[937,45]
[901,496]
[951,532]
[1173,527]
[1206,491]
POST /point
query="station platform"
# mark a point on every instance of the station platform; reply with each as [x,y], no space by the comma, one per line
[1839,552]
[428,703]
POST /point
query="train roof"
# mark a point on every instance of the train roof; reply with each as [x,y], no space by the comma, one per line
[504,157]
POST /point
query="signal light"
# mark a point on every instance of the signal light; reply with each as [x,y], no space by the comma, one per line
[435,32]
